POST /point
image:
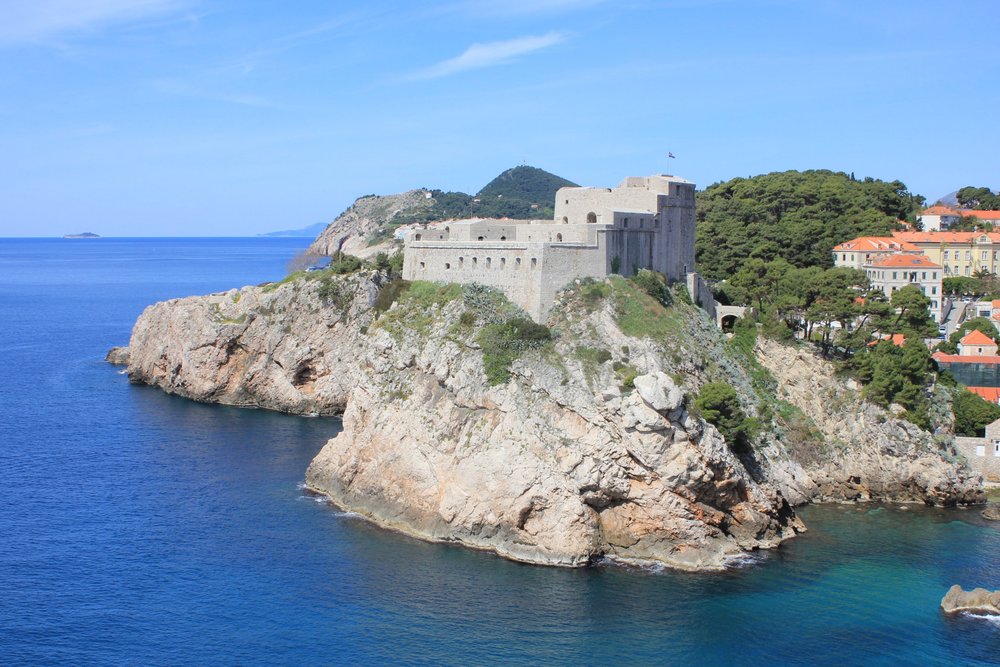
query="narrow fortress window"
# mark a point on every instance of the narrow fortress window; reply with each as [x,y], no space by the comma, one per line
[517,262]
[565,220]
[417,237]
[489,262]
[558,238]
[475,261]
[480,238]
[642,223]
[447,265]
[625,223]
[461,262]
[591,217]
[534,262]
[503,262]
[421,265]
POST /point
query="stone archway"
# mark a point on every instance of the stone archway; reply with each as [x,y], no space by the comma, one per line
[591,217]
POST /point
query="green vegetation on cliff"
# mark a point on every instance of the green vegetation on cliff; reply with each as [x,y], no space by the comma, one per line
[795,215]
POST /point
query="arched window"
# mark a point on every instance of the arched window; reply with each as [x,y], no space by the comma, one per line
[489,262]
[480,238]
[503,262]
[565,220]
[517,262]
[461,262]
[447,265]
[558,238]
[475,261]
[417,237]
[534,262]
[591,217]
[503,238]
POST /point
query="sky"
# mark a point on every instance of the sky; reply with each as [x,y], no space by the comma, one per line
[226,118]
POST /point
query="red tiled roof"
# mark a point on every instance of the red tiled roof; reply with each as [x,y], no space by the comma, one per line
[896,339]
[982,215]
[875,244]
[939,210]
[996,303]
[991,394]
[943,237]
[976,337]
[959,359]
[905,261]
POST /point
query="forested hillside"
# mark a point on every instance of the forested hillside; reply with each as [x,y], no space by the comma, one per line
[795,215]
[510,195]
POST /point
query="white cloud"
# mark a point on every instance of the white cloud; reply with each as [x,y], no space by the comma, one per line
[27,21]
[489,54]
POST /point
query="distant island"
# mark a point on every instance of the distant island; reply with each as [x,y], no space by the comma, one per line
[311,231]
[82,235]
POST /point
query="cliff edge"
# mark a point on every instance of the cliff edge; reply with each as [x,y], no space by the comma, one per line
[464,422]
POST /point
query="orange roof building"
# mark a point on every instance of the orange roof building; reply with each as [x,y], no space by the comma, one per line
[894,271]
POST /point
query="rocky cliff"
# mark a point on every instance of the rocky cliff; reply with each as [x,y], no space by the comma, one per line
[355,230]
[547,451]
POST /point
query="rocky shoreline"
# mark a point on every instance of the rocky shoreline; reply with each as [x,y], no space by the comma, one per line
[588,450]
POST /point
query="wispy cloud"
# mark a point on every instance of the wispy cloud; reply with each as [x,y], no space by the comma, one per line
[40,21]
[489,54]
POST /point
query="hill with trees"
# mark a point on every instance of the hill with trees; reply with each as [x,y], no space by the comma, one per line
[797,216]
[525,193]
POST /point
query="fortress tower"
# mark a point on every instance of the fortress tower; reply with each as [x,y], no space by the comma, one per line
[646,222]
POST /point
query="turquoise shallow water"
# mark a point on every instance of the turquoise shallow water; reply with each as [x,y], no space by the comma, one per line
[139,528]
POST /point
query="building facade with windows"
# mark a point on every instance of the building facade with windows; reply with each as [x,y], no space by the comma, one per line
[889,273]
[983,454]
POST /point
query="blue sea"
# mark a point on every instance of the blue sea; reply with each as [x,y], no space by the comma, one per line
[142,529]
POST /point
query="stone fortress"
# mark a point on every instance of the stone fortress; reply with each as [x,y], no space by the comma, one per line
[644,223]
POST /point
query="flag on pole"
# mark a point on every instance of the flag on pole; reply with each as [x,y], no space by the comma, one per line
[670,154]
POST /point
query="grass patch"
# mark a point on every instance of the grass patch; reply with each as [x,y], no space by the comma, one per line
[640,315]
[593,355]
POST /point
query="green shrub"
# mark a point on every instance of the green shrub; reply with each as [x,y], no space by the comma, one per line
[344,264]
[595,355]
[653,284]
[390,293]
[504,342]
[332,292]
[718,404]
[972,413]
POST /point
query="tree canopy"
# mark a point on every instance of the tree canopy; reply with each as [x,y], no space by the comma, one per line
[797,216]
[982,199]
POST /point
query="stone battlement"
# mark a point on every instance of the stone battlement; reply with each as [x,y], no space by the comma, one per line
[646,222]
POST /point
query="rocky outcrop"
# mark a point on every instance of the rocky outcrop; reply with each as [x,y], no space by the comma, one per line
[992,513]
[587,451]
[976,601]
[281,347]
[119,356]
[539,469]
[863,452]
[353,229]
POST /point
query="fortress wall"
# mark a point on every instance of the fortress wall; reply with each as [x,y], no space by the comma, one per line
[979,452]
[633,247]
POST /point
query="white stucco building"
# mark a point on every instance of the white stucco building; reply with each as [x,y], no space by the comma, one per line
[889,273]
[645,223]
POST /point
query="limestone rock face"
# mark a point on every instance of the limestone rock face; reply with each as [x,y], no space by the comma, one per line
[119,356]
[866,453]
[992,513]
[282,348]
[539,469]
[572,459]
[351,230]
[976,601]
